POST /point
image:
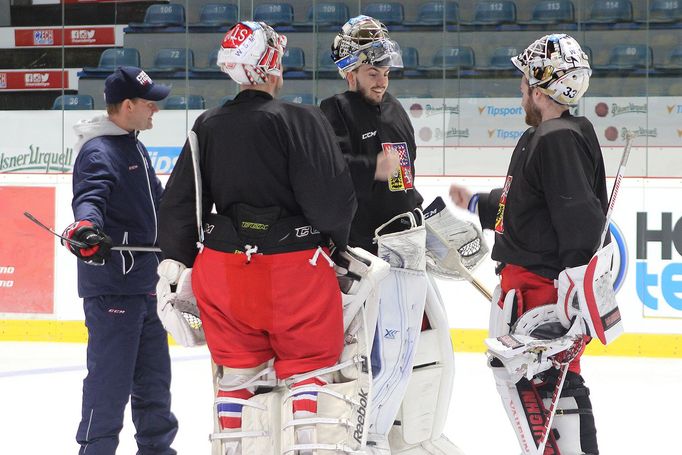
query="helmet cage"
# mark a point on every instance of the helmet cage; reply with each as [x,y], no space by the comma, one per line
[364,39]
[384,52]
[556,62]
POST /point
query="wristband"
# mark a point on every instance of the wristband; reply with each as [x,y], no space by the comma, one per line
[473,203]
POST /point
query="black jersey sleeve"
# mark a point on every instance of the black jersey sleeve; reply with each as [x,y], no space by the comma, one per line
[567,171]
[488,205]
[362,166]
[320,177]
[177,214]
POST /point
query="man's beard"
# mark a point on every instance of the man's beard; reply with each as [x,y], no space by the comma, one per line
[366,94]
[533,114]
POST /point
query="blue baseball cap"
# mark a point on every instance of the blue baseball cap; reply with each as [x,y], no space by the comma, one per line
[129,82]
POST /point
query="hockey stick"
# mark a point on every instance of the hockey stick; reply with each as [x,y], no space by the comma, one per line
[564,367]
[149,249]
[630,135]
[217,447]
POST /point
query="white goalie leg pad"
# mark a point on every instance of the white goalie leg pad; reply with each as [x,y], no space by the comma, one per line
[526,417]
[359,274]
[340,423]
[501,312]
[567,424]
[260,414]
[587,292]
[423,413]
[454,247]
[401,309]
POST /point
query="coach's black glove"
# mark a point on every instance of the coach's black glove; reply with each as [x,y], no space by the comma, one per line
[99,244]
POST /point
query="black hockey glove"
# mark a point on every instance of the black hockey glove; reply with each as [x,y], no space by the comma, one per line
[99,244]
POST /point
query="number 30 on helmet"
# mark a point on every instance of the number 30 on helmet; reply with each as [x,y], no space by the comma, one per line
[557,65]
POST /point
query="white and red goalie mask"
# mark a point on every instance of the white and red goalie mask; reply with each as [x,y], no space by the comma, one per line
[250,51]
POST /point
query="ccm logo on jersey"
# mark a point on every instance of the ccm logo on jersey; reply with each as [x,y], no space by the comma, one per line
[305,231]
[369,134]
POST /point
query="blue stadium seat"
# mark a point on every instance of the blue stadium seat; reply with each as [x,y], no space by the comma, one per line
[299,98]
[434,13]
[630,56]
[501,58]
[274,14]
[160,16]
[293,59]
[326,68]
[610,11]
[113,58]
[73,103]
[293,62]
[211,70]
[410,58]
[335,13]
[388,13]
[175,102]
[218,15]
[674,59]
[454,58]
[665,11]
[173,59]
[494,13]
[410,64]
[552,12]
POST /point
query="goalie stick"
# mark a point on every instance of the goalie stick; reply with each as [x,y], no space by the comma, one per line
[76,243]
[564,365]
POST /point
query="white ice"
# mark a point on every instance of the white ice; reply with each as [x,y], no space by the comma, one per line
[637,403]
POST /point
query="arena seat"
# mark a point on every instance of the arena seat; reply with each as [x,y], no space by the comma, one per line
[552,12]
[160,17]
[211,70]
[176,102]
[293,62]
[112,58]
[299,98]
[277,15]
[216,16]
[172,60]
[390,13]
[494,13]
[435,13]
[664,12]
[609,12]
[335,13]
[73,103]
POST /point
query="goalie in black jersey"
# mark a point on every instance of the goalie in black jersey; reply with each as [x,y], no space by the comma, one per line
[548,219]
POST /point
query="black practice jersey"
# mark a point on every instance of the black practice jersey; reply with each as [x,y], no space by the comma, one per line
[551,211]
[365,130]
[262,152]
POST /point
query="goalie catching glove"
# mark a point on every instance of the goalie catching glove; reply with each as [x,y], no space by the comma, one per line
[99,244]
[454,248]
[176,304]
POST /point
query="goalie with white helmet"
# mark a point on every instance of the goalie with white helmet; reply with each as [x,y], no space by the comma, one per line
[557,66]
[547,217]
[267,294]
